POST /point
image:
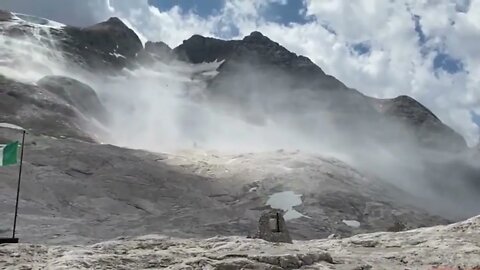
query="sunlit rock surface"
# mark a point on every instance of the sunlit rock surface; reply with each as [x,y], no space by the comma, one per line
[455,246]
[78,192]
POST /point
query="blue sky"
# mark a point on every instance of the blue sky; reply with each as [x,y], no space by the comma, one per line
[476,118]
[202,8]
[293,12]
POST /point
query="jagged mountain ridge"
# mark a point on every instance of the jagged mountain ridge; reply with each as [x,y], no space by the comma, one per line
[258,50]
[111,45]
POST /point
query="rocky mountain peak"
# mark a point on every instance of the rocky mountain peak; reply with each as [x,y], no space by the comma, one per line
[280,68]
[257,37]
[115,20]
[112,23]
[424,121]
[157,47]
[106,46]
[254,49]
[154,52]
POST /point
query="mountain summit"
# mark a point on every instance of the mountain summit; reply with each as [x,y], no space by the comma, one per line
[263,62]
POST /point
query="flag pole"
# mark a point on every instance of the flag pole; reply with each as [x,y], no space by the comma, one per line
[18,185]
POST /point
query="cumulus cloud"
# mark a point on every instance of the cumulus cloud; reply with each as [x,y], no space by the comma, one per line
[400,40]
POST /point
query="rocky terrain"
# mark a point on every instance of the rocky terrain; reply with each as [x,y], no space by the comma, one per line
[126,139]
[81,192]
[449,247]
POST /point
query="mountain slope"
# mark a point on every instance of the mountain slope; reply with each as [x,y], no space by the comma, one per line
[79,192]
[110,44]
[428,128]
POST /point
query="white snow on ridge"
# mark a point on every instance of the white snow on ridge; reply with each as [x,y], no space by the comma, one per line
[117,55]
[38,21]
[10,126]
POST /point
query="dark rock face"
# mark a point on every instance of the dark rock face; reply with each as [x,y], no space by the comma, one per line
[272,227]
[154,52]
[106,46]
[257,64]
[257,71]
[77,94]
[5,15]
[157,48]
[257,50]
[427,127]
[199,49]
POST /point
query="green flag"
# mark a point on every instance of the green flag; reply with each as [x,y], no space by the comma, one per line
[8,154]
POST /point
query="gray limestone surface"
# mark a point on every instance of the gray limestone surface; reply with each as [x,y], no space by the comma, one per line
[456,246]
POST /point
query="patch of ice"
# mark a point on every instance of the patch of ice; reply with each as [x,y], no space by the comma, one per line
[351,223]
[286,201]
[10,126]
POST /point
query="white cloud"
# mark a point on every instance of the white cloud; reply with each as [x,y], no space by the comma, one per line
[394,66]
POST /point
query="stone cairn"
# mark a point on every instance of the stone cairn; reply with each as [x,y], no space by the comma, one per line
[272,227]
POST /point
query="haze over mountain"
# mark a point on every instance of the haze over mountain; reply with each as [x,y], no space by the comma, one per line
[407,52]
[127,139]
